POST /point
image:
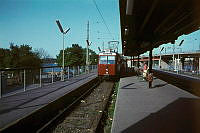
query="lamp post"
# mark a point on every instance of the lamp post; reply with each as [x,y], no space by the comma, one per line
[63,61]
[179,67]
[174,63]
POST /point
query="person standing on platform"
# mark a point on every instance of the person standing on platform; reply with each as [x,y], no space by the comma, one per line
[145,68]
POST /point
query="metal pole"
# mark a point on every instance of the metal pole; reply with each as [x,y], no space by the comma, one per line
[73,71]
[81,70]
[131,61]
[150,61]
[160,61]
[173,57]
[61,74]
[68,72]
[178,64]
[78,70]
[52,76]
[0,86]
[88,69]
[173,63]
[150,67]
[63,62]
[87,50]
[87,59]
[24,80]
[40,77]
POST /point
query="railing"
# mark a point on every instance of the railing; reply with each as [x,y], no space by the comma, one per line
[178,70]
[193,73]
[184,72]
[14,81]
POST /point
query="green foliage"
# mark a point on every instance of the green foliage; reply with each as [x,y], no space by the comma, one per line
[19,57]
[5,58]
[76,56]
[111,109]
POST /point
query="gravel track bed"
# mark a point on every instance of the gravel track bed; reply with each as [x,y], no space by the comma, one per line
[86,116]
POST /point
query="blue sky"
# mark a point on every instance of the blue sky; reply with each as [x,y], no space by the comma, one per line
[33,22]
[191,43]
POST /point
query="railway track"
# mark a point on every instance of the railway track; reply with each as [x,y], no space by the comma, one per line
[184,82]
[43,114]
[84,114]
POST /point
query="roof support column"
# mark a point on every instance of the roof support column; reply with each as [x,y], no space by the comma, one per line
[150,76]
[150,61]
[138,64]
[131,61]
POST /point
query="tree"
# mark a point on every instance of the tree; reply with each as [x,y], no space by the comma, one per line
[5,58]
[23,56]
[93,57]
[19,57]
[76,56]
[42,53]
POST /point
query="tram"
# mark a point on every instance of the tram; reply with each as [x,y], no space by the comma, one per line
[110,64]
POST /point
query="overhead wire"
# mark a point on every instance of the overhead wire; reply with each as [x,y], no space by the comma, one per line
[102,18]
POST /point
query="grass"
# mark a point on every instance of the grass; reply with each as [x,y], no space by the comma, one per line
[111,108]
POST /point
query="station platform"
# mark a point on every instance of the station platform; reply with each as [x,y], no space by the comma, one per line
[163,108]
[16,107]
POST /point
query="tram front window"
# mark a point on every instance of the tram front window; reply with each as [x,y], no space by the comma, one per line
[107,60]
[111,59]
[103,60]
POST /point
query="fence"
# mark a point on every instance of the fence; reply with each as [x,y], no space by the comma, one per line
[14,81]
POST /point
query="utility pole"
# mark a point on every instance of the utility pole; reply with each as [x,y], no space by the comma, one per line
[87,49]
[103,46]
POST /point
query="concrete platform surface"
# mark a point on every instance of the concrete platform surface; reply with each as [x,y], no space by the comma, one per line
[161,109]
[22,104]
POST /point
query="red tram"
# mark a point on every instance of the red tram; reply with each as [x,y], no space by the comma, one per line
[110,64]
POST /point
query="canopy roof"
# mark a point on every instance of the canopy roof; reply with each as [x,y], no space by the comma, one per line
[146,24]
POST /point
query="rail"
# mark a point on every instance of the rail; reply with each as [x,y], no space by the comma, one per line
[16,80]
[62,114]
[188,83]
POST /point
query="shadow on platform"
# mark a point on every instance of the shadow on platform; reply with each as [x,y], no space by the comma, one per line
[160,85]
[181,116]
[126,86]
